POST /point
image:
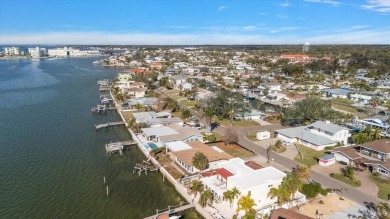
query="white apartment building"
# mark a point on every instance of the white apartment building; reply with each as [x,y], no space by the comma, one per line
[37,52]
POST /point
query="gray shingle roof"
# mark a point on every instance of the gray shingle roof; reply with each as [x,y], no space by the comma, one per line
[333,128]
[304,134]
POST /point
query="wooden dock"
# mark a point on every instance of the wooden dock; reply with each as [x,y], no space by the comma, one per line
[108,125]
[114,147]
[171,210]
[145,166]
[104,88]
[101,108]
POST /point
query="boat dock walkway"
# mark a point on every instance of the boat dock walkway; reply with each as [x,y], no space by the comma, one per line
[171,210]
[109,124]
[101,108]
[114,147]
[104,88]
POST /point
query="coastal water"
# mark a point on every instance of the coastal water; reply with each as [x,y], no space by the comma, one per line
[52,161]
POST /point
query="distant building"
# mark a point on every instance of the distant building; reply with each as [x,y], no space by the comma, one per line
[306,47]
[295,57]
[15,51]
[69,51]
[37,52]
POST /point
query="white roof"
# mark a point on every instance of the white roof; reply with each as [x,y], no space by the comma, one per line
[159,131]
[236,166]
[257,177]
[177,146]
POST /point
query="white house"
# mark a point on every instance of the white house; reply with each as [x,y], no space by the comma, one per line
[228,80]
[247,177]
[316,136]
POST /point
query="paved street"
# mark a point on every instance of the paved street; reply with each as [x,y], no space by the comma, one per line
[284,163]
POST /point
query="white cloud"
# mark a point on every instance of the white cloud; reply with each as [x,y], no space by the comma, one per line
[178,26]
[221,8]
[262,13]
[248,28]
[378,5]
[277,36]
[359,26]
[285,4]
[330,2]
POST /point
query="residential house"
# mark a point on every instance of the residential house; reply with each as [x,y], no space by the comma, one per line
[228,80]
[347,155]
[157,119]
[247,177]
[178,80]
[377,156]
[183,153]
[283,213]
[250,115]
[173,132]
[144,101]
[273,86]
[336,93]
[316,136]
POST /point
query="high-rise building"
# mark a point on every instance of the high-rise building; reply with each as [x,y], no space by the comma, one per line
[37,52]
[306,47]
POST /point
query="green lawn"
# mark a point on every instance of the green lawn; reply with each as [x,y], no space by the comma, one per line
[345,108]
[384,186]
[234,149]
[310,156]
[237,123]
[189,103]
[279,150]
[341,100]
[252,136]
[346,180]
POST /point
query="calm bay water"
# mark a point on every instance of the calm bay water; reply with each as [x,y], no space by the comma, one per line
[52,161]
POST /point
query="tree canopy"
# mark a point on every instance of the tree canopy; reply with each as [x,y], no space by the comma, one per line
[309,110]
[200,161]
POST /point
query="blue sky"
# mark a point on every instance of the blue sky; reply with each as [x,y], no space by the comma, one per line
[194,22]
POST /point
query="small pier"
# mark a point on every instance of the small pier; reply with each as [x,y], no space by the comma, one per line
[171,210]
[108,125]
[104,88]
[114,147]
[145,166]
[101,108]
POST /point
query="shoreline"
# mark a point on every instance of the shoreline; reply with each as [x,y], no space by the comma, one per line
[162,170]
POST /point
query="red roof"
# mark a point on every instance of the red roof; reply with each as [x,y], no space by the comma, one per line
[253,165]
[224,173]
[208,173]
[294,56]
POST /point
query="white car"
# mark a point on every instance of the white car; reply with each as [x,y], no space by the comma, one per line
[286,143]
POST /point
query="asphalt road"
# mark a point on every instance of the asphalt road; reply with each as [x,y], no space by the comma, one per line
[279,161]
[326,181]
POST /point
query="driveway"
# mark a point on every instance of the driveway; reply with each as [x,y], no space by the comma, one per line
[367,185]
[290,153]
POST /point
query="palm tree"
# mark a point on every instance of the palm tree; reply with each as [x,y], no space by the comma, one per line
[376,134]
[235,192]
[206,197]
[196,187]
[245,203]
[303,172]
[200,161]
[281,193]
[228,196]
[292,184]
[384,210]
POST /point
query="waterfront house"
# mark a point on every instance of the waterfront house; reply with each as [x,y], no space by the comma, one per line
[156,119]
[247,177]
[183,153]
[144,101]
[316,136]
[173,132]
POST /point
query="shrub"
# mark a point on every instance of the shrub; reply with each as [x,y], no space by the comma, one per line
[321,202]
[157,150]
[211,138]
[311,190]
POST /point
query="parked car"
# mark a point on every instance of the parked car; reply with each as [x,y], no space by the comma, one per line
[286,143]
